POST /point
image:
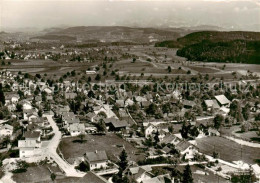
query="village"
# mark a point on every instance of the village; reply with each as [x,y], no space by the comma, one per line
[128,128]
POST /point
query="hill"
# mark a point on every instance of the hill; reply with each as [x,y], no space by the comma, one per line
[213,46]
[113,34]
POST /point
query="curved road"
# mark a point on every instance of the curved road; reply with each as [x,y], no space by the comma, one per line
[50,151]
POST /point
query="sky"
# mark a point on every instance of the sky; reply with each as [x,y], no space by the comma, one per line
[41,14]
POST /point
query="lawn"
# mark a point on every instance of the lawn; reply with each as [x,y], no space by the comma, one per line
[33,174]
[228,150]
[204,69]
[109,142]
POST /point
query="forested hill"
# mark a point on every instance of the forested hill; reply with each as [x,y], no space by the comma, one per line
[209,46]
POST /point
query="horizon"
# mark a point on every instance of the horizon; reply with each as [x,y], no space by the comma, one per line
[227,15]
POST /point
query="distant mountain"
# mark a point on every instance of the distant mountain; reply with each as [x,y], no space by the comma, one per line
[114,34]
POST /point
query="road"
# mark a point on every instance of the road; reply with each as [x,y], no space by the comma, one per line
[50,151]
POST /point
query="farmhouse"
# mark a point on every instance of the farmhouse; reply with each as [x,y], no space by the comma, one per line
[97,159]
[223,101]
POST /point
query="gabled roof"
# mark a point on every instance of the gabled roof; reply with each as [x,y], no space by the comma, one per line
[32,134]
[212,103]
[27,143]
[222,99]
[183,145]
[77,127]
[188,103]
[96,156]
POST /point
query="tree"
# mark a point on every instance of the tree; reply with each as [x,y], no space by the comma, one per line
[134,59]
[123,163]
[218,120]
[246,112]
[101,126]
[187,175]
[40,113]
[169,69]
[156,137]
[2,96]
[98,77]
[83,166]
[81,137]
[53,176]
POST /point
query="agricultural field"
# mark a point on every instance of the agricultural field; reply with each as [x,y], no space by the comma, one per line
[111,143]
[224,147]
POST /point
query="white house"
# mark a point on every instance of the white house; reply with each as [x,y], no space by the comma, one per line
[6,130]
[186,149]
[149,130]
[76,129]
[97,159]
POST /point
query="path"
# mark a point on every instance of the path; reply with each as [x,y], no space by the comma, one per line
[243,142]
[50,151]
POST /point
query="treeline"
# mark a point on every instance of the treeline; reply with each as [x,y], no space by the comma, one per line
[212,46]
[238,51]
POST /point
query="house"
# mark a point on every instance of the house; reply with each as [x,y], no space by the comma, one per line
[89,177]
[186,149]
[129,102]
[76,129]
[90,72]
[11,98]
[223,101]
[91,116]
[211,104]
[149,130]
[120,103]
[6,130]
[115,124]
[122,113]
[31,146]
[140,173]
[170,139]
[188,104]
[106,109]
[213,132]
[160,179]
[97,159]
[70,95]
[29,113]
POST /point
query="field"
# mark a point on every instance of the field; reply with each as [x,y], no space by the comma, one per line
[228,150]
[33,174]
[108,142]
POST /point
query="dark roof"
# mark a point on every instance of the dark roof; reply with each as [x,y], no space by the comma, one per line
[183,145]
[96,156]
[90,177]
[32,134]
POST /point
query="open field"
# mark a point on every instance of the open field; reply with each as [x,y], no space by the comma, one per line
[33,175]
[204,69]
[235,131]
[106,142]
[228,150]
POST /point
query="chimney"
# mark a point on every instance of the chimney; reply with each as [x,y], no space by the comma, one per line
[96,151]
